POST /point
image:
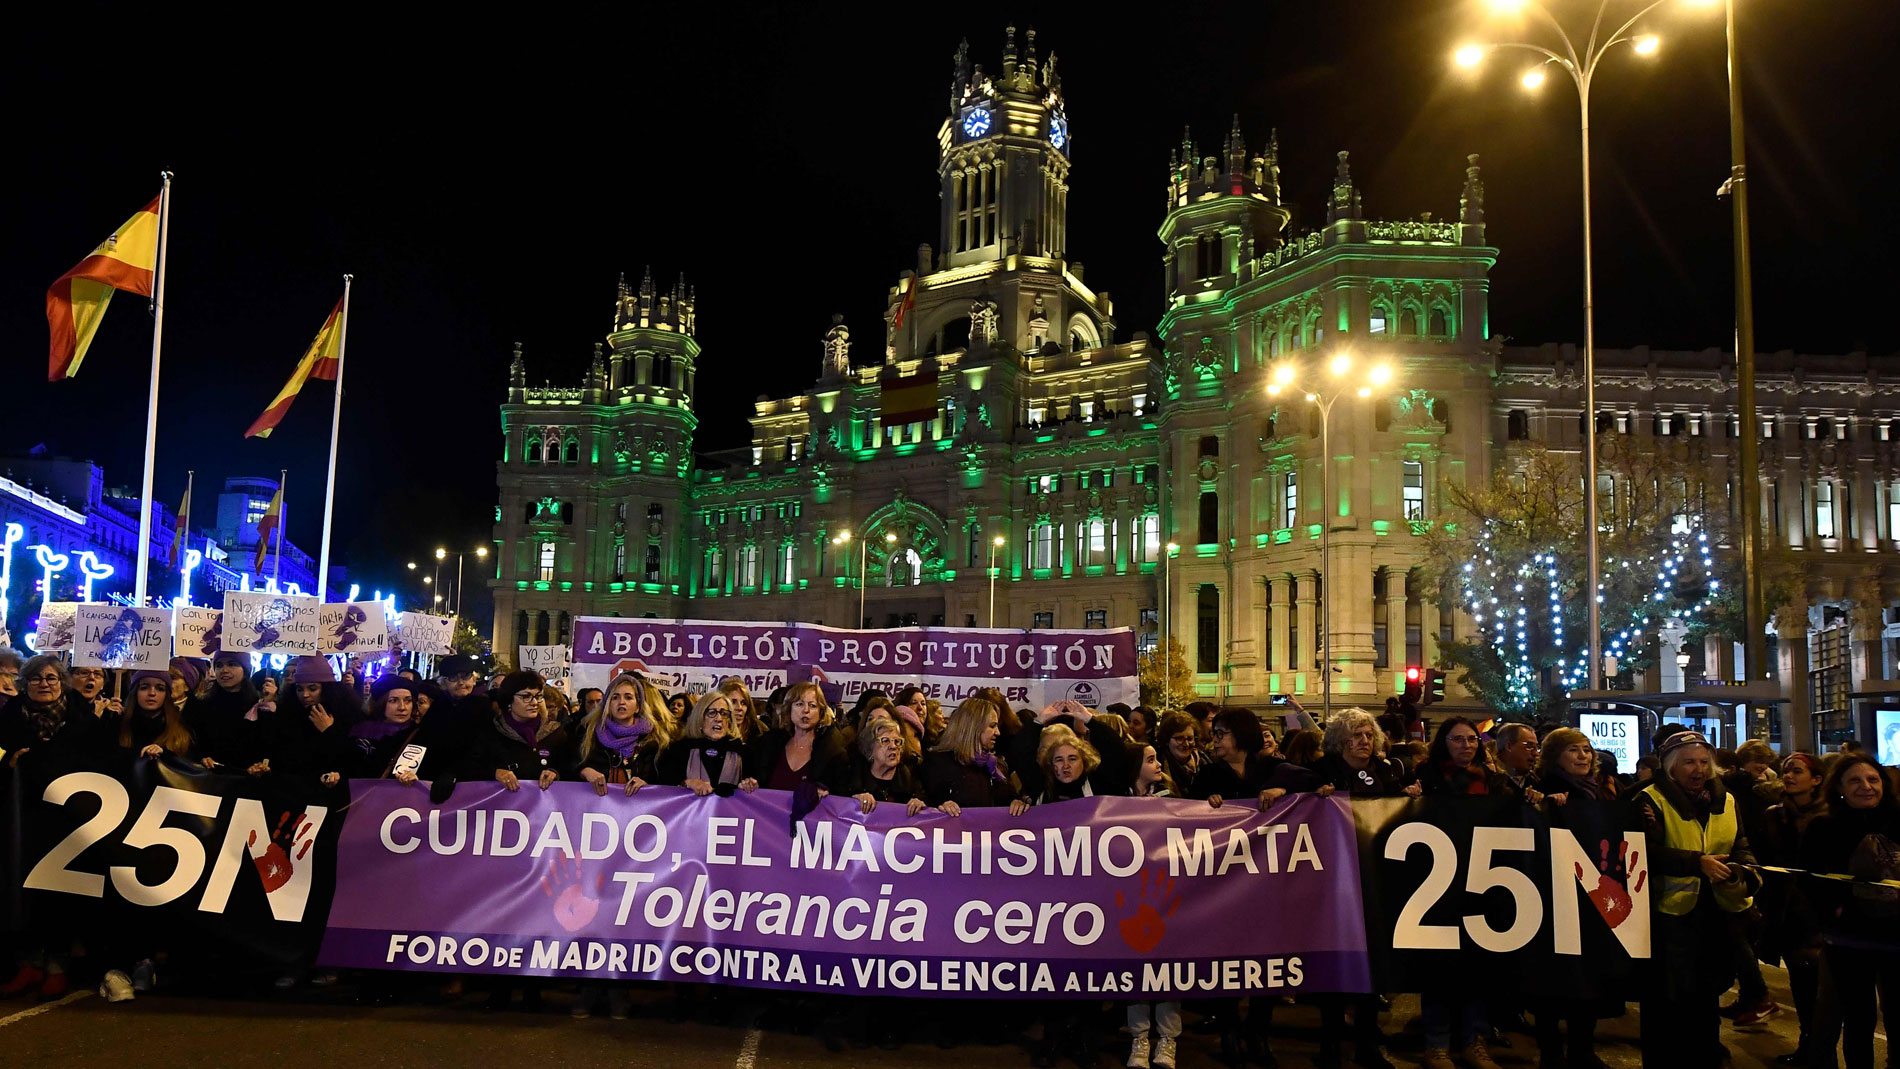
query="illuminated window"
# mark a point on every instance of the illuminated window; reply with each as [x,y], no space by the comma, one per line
[620,560]
[1042,546]
[1095,618]
[716,568]
[1044,621]
[1095,543]
[787,565]
[653,562]
[1893,510]
[1149,549]
[1824,520]
[1414,490]
[546,572]
[1290,500]
[1376,322]
[749,566]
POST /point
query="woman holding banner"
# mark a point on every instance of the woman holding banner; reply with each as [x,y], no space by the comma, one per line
[1573,797]
[785,757]
[379,744]
[1704,885]
[709,758]
[1240,768]
[155,725]
[622,738]
[216,718]
[307,735]
[1860,837]
[876,772]
[1054,763]
[520,741]
[963,769]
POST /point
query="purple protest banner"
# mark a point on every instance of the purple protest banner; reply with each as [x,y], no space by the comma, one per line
[1033,668]
[1098,896]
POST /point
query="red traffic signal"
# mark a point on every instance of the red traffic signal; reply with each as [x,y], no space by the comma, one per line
[1412,675]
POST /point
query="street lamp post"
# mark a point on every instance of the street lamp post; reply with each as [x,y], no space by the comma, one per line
[864,550]
[1283,377]
[481,553]
[441,555]
[1167,629]
[1582,70]
[995,544]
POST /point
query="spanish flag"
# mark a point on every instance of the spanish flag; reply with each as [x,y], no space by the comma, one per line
[77,302]
[266,524]
[319,363]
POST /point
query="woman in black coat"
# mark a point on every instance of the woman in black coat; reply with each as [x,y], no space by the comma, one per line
[709,757]
[621,739]
[305,733]
[217,718]
[1239,770]
[875,772]
[1859,836]
[963,770]
[379,744]
[787,756]
[1105,759]
[521,741]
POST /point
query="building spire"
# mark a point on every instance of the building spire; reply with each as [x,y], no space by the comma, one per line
[1471,199]
[1345,201]
[837,348]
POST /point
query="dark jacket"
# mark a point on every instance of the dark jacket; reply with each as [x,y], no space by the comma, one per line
[1382,776]
[947,779]
[500,746]
[1110,777]
[851,776]
[642,764]
[218,726]
[293,745]
[73,739]
[1262,773]
[449,732]
[766,753]
[1863,843]
[1441,777]
[373,750]
[676,763]
[147,729]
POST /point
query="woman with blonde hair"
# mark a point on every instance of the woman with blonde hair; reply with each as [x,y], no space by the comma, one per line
[963,769]
[748,727]
[622,739]
[708,758]
[801,751]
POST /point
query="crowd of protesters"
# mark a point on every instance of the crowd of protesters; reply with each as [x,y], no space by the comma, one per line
[1728,833]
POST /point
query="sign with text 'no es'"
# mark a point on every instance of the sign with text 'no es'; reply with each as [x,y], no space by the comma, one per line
[1612,733]
[270,623]
[425,633]
[119,636]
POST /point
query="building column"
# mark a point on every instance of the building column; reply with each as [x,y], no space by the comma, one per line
[1718,658]
[1250,639]
[1864,656]
[1395,618]
[1349,608]
[1428,624]
[1280,593]
[1791,644]
[1306,619]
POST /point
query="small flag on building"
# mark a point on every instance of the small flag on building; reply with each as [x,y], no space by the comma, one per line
[909,302]
[77,301]
[265,525]
[319,362]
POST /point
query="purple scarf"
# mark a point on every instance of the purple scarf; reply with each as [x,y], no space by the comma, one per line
[377,730]
[619,739]
[529,730]
[987,762]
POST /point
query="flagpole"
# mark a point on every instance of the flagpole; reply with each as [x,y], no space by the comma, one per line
[277,565]
[336,423]
[183,541]
[151,408]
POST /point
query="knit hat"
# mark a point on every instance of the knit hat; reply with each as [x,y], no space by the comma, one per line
[456,664]
[149,673]
[1679,740]
[188,668]
[514,683]
[392,682]
[311,670]
[242,660]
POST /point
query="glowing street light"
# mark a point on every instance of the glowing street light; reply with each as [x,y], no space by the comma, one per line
[1533,78]
[1378,378]
[1167,628]
[995,544]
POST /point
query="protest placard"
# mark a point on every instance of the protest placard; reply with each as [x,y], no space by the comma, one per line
[422,632]
[56,626]
[197,631]
[269,623]
[119,636]
[358,628]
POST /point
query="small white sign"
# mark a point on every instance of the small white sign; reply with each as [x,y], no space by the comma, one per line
[1613,733]
[270,623]
[422,632]
[197,631]
[119,636]
[56,626]
[358,628]
[550,662]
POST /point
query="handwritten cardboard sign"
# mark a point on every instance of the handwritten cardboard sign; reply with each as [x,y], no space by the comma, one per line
[425,633]
[358,628]
[119,636]
[269,623]
[197,631]
[56,626]
[550,662]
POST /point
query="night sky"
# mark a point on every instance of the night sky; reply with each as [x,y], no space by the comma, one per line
[488,181]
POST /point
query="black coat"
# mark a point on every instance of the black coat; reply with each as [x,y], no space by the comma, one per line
[449,732]
[79,740]
[293,745]
[1382,776]
[1436,777]
[218,727]
[1853,842]
[676,762]
[947,779]
[1111,777]
[765,754]
[851,776]
[1262,773]
[642,764]
[500,746]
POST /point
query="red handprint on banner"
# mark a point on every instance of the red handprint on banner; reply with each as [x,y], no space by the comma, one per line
[1142,930]
[275,865]
[574,907]
[1615,880]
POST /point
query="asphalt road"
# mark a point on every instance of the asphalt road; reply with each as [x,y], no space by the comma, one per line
[326,1028]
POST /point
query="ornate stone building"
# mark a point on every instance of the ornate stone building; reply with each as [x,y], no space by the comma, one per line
[1004,428]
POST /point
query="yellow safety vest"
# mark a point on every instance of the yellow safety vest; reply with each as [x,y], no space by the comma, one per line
[1679,893]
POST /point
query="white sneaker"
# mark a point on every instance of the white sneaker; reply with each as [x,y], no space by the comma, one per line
[1138,1052]
[116,987]
[1164,1053]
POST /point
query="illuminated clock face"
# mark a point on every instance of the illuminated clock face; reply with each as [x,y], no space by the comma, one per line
[977,123]
[1059,131]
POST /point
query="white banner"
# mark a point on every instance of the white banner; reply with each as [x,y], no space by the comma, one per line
[550,662]
[422,632]
[358,628]
[119,636]
[196,631]
[270,623]
[56,626]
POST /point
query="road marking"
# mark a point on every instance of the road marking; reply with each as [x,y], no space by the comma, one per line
[74,997]
[748,1051]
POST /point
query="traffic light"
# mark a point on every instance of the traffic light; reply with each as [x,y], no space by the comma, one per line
[1413,677]
[1432,687]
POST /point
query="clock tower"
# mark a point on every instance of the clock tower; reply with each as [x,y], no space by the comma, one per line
[1003,159]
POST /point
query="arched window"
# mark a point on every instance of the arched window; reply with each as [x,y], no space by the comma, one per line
[1210,518]
[1439,323]
[788,564]
[1042,547]
[533,453]
[572,455]
[905,568]
[1408,320]
[653,562]
[1379,319]
[715,568]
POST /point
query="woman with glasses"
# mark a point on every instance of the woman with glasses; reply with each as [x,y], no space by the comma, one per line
[709,757]
[801,750]
[1177,739]
[520,742]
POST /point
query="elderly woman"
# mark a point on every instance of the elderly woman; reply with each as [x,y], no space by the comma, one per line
[1857,838]
[787,756]
[1099,766]
[520,741]
[963,770]
[1177,740]
[622,739]
[875,771]
[1701,881]
[709,756]
[1350,760]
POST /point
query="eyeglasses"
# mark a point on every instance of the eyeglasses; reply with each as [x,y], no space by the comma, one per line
[534,699]
[717,714]
[1218,733]
[47,680]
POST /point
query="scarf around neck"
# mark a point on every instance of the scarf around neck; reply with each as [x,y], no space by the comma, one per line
[987,762]
[621,739]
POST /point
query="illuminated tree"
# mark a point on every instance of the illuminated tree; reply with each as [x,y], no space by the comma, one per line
[1166,688]
[1514,559]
